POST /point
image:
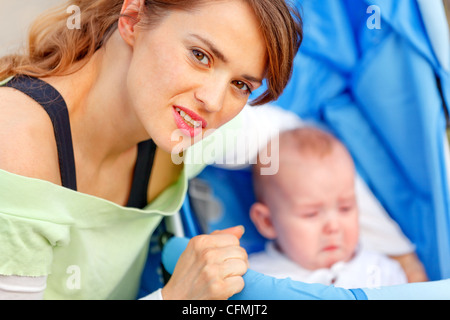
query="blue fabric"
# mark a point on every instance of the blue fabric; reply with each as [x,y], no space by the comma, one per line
[436,290]
[234,204]
[435,22]
[359,294]
[376,89]
[262,287]
[152,278]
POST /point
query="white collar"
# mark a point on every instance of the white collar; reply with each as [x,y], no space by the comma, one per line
[294,271]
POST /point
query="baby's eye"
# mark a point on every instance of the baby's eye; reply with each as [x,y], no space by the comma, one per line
[242,86]
[310,215]
[345,209]
[201,57]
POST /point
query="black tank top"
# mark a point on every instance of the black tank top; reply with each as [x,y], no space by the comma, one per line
[55,106]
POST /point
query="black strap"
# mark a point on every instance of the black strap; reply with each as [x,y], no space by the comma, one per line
[142,171]
[53,103]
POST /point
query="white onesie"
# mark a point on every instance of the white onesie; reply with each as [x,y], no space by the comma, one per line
[366,270]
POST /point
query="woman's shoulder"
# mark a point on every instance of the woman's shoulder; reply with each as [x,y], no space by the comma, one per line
[27,143]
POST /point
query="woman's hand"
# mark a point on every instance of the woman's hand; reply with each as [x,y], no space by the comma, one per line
[210,268]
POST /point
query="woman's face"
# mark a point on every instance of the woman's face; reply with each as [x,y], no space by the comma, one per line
[203,64]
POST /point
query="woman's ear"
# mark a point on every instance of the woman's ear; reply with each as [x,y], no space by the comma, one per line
[262,218]
[131,14]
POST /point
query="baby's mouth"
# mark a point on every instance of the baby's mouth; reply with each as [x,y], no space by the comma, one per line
[331,248]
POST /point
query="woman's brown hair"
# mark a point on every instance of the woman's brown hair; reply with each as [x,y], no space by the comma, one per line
[54,49]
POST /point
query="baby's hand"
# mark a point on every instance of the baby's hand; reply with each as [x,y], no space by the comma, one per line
[414,270]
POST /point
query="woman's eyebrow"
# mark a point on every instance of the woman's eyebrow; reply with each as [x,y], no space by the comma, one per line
[252,79]
[211,46]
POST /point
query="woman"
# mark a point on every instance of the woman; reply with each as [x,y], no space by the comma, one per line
[115,90]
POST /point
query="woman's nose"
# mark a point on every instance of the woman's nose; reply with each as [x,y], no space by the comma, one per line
[211,94]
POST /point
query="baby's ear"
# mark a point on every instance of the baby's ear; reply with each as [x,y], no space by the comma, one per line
[262,219]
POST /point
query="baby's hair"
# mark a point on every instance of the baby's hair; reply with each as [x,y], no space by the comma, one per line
[295,143]
[308,140]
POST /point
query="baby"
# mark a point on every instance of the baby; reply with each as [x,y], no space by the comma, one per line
[310,212]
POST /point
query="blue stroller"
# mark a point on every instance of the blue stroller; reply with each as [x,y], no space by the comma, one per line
[377,74]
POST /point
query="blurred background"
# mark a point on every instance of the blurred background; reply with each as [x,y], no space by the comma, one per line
[447,8]
[15,18]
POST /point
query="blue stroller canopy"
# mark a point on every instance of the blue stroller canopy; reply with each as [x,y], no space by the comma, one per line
[384,91]
[377,74]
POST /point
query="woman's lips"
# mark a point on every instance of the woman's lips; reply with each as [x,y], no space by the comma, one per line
[188,121]
[193,116]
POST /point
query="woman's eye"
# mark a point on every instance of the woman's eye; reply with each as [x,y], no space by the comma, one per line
[242,86]
[201,57]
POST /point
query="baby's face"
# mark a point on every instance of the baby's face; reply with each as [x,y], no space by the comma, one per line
[316,217]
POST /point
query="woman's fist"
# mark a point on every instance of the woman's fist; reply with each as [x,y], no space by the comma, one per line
[210,268]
